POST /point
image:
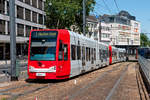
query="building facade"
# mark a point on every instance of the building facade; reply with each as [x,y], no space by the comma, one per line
[29,15]
[105,33]
[125,30]
[92,24]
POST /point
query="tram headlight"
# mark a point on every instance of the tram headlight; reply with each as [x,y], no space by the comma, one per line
[52,69]
[31,68]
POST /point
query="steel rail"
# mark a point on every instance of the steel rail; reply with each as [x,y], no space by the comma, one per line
[110,94]
[15,96]
[2,92]
[81,90]
[139,83]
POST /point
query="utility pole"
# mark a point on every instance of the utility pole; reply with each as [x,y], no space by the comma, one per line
[84,16]
[100,31]
[12,40]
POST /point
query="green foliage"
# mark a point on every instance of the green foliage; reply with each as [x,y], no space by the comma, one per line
[144,40]
[4,99]
[61,14]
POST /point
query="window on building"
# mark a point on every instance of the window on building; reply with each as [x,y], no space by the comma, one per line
[7,8]
[34,17]
[27,2]
[8,28]
[2,27]
[73,52]
[20,29]
[34,3]
[34,28]
[21,0]
[111,19]
[2,6]
[40,19]
[28,14]
[40,4]
[135,24]
[45,21]
[19,12]
[28,29]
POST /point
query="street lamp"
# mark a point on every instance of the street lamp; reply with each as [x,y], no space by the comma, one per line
[84,16]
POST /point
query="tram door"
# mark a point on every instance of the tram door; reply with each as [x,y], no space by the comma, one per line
[92,54]
[63,62]
[83,56]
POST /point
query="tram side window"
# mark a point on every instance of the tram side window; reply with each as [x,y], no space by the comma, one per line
[107,54]
[113,54]
[60,57]
[87,54]
[83,53]
[78,53]
[94,54]
[99,54]
[73,52]
[103,54]
[65,52]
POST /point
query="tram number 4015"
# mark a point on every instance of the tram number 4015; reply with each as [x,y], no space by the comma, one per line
[40,74]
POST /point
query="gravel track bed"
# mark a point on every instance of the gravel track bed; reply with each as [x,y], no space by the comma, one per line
[127,89]
[65,89]
[62,90]
[100,89]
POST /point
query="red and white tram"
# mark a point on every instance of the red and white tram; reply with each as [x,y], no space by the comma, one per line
[61,54]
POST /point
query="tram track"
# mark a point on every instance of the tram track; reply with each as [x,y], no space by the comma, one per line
[2,92]
[117,83]
[85,88]
[15,96]
[102,83]
[25,88]
[142,90]
[15,92]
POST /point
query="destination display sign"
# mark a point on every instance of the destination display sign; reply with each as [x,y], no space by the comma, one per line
[44,34]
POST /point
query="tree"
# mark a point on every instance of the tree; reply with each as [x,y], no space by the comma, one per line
[64,13]
[144,40]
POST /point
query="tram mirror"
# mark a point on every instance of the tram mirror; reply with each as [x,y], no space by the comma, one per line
[65,49]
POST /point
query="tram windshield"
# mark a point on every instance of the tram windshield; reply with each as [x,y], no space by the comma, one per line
[43,45]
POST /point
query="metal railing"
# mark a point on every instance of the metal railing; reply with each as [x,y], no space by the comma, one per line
[21,65]
[145,66]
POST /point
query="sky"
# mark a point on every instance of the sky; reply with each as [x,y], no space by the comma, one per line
[138,8]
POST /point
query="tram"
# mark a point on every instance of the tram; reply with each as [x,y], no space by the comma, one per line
[62,54]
